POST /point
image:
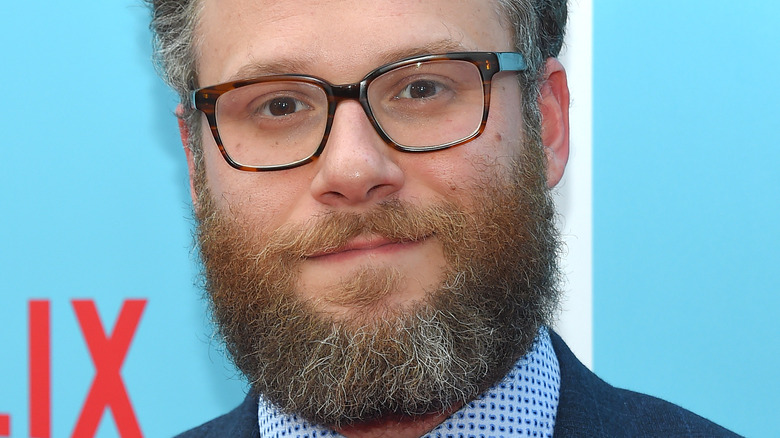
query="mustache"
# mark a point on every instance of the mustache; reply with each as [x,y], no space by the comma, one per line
[393,220]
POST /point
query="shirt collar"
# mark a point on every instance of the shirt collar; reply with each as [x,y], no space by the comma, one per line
[523,403]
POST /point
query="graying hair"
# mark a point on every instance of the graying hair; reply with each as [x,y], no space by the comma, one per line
[174,24]
[539,29]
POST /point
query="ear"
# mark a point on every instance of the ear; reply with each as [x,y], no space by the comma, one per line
[184,131]
[554,106]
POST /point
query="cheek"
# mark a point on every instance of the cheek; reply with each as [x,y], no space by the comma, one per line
[267,200]
[465,168]
[494,152]
[255,197]
[453,174]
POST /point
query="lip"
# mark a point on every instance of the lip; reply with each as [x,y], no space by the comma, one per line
[362,246]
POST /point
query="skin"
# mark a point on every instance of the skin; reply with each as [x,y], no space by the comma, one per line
[341,41]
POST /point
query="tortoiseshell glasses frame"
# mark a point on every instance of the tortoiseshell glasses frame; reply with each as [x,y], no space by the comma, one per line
[278,95]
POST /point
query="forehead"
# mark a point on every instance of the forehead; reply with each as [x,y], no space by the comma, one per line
[339,40]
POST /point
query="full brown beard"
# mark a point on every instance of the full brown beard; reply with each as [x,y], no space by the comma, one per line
[499,287]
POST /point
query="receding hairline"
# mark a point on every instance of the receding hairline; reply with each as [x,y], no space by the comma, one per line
[302,63]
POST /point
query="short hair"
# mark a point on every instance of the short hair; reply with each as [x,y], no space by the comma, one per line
[539,27]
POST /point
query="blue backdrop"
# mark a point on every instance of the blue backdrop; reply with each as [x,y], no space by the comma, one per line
[95,207]
[687,204]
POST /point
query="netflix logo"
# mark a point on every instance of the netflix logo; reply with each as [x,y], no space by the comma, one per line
[107,347]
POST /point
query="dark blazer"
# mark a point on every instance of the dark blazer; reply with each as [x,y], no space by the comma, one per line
[587,407]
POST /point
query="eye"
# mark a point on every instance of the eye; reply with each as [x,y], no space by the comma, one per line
[281,106]
[421,89]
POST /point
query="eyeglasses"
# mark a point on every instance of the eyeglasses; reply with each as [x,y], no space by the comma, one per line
[418,104]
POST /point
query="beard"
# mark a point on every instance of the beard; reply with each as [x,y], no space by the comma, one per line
[499,286]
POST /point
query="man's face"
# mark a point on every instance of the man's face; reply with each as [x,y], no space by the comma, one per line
[340,42]
[370,250]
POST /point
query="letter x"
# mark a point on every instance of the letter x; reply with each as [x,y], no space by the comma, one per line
[108,353]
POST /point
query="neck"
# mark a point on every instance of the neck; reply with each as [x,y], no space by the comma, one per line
[397,427]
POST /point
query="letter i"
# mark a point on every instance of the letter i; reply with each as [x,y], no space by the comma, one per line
[40,369]
[5,425]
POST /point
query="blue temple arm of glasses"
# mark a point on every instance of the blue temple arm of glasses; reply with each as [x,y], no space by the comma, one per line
[511,61]
[195,92]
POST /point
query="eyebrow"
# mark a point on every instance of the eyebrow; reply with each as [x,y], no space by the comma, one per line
[301,65]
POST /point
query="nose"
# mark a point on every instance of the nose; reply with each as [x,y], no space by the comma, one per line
[356,167]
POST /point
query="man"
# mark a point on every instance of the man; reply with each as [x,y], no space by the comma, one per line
[372,184]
